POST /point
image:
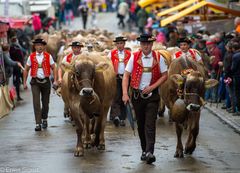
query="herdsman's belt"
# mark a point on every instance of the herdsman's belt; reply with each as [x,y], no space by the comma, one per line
[147,69]
[120,60]
[137,93]
[39,65]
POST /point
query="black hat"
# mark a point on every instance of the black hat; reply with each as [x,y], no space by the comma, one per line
[146,38]
[183,40]
[40,40]
[120,38]
[76,43]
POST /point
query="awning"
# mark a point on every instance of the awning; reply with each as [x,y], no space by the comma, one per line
[14,22]
[178,7]
[144,3]
[192,8]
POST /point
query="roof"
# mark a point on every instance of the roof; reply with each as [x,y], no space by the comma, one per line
[194,7]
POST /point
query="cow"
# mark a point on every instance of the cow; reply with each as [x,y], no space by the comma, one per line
[88,88]
[183,94]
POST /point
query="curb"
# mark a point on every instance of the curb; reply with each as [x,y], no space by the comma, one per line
[225,118]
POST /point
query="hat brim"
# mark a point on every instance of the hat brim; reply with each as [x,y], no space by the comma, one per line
[125,39]
[146,40]
[81,45]
[43,43]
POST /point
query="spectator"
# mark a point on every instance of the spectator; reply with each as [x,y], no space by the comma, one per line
[16,54]
[84,13]
[142,17]
[37,23]
[122,12]
[236,75]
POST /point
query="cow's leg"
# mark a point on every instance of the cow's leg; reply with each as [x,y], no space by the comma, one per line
[99,130]
[79,129]
[66,111]
[193,133]
[179,148]
[87,140]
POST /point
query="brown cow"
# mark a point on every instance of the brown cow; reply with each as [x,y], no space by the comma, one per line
[88,88]
[184,107]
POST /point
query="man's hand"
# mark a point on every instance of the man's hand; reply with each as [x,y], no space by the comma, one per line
[125,98]
[20,66]
[25,86]
[147,90]
[60,81]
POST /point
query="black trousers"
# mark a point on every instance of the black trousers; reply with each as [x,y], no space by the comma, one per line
[40,93]
[146,114]
[236,86]
[17,76]
[118,108]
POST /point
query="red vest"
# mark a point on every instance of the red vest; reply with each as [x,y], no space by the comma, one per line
[69,57]
[115,59]
[138,69]
[191,51]
[45,64]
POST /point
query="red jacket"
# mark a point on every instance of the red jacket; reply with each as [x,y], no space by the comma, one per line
[115,59]
[138,69]
[45,64]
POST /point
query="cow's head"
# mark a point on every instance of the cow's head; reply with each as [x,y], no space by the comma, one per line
[193,85]
[83,74]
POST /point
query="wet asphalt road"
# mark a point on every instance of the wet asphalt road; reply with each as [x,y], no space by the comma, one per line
[51,151]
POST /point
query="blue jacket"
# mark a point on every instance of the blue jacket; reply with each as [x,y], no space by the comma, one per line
[236,64]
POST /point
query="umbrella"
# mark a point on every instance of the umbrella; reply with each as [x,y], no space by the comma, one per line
[130,116]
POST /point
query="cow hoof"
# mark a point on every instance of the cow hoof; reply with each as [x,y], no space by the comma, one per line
[87,145]
[189,150]
[178,154]
[101,147]
[78,152]
[65,115]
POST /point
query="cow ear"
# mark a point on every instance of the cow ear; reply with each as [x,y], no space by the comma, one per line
[67,67]
[177,79]
[210,83]
[102,66]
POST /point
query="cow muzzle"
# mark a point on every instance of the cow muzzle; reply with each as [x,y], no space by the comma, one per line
[86,92]
[193,107]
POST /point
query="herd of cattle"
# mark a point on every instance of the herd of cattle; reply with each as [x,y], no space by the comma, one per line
[89,85]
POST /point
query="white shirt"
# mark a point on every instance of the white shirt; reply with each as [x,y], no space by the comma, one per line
[39,57]
[147,62]
[188,54]
[121,65]
[65,58]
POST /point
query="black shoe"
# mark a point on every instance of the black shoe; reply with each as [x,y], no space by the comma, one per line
[38,127]
[122,123]
[116,121]
[44,124]
[150,158]
[231,111]
[143,156]
[224,107]
[19,99]
[236,114]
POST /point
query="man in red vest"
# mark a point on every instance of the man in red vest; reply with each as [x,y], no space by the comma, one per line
[184,45]
[40,63]
[119,58]
[76,50]
[148,71]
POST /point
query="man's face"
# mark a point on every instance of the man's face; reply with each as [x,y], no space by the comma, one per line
[146,47]
[76,50]
[120,45]
[39,47]
[184,46]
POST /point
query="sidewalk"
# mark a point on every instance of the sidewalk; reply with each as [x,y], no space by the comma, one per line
[223,115]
